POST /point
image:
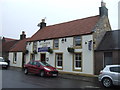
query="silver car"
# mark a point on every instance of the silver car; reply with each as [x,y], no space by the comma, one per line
[3,64]
[110,75]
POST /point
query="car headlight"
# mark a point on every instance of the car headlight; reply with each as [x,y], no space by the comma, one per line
[46,68]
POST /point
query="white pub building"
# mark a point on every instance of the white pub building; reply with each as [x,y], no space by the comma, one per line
[69,46]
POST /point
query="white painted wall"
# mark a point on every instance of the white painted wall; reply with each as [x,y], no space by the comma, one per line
[87,55]
[19,59]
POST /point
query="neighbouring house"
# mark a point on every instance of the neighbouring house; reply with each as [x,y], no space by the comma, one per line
[6,45]
[18,51]
[108,51]
[70,46]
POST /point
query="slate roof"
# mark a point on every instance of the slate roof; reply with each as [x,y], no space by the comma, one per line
[72,28]
[19,46]
[111,41]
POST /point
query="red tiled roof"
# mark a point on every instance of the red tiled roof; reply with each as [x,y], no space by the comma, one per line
[72,28]
[6,46]
[8,39]
[20,46]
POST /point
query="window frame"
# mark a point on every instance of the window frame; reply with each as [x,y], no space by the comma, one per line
[56,61]
[15,57]
[74,62]
[115,69]
[35,45]
[54,44]
[76,41]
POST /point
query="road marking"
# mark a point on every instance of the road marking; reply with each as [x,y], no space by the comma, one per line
[91,87]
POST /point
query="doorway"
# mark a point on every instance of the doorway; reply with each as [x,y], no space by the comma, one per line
[107,58]
[43,57]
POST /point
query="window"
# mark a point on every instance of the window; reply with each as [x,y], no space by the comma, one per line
[15,57]
[32,58]
[34,45]
[77,61]
[77,41]
[59,60]
[56,43]
[115,69]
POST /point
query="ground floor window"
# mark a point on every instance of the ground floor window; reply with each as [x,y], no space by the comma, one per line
[59,60]
[32,57]
[77,61]
[14,57]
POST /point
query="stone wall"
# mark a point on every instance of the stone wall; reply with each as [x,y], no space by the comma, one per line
[100,29]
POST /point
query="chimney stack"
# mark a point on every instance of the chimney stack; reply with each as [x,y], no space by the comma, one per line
[103,10]
[42,24]
[23,35]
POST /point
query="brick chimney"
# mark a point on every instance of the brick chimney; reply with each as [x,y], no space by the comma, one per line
[42,24]
[23,35]
[103,10]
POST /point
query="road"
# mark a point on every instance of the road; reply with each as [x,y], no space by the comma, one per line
[17,79]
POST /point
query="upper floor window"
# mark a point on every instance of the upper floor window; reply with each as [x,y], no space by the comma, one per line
[56,43]
[34,45]
[77,41]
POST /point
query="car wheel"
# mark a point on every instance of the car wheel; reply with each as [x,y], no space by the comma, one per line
[42,73]
[107,82]
[26,71]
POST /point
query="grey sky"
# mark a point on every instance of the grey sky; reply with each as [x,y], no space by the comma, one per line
[24,15]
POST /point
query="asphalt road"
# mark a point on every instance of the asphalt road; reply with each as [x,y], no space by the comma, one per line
[17,79]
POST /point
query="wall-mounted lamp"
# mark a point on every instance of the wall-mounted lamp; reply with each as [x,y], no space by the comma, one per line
[64,40]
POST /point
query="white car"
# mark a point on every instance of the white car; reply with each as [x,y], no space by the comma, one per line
[110,76]
[3,64]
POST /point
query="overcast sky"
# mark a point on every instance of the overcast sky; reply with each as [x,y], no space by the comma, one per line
[24,15]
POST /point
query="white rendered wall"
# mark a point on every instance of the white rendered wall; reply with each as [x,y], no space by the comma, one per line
[19,59]
[87,55]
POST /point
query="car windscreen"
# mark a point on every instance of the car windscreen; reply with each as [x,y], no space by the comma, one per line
[44,64]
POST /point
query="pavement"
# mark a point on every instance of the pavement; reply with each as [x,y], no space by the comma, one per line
[92,79]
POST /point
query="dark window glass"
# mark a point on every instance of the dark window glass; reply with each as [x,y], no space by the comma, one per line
[77,41]
[115,69]
[56,43]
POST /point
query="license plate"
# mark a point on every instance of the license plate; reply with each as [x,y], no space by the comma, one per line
[54,74]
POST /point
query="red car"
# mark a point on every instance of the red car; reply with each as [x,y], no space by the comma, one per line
[41,68]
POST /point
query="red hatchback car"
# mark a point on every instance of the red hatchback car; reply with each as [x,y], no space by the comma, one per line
[41,68]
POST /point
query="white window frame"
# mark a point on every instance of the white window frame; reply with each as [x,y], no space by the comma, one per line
[35,45]
[78,39]
[15,57]
[78,60]
[60,55]
[56,43]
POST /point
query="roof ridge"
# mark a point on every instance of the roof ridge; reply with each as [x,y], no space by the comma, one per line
[73,20]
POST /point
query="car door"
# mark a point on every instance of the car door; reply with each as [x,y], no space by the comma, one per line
[30,66]
[35,68]
[115,71]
